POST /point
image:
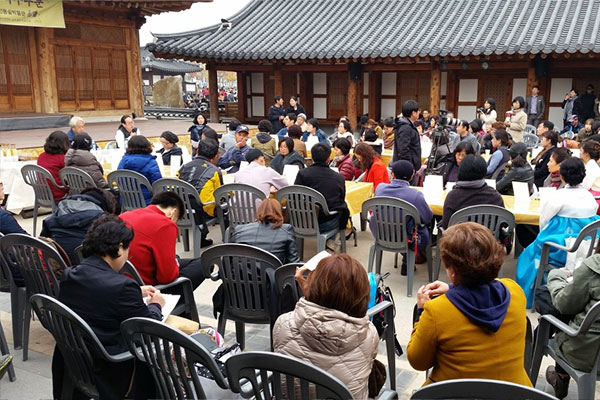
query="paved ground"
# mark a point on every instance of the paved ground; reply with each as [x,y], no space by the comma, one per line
[34,377]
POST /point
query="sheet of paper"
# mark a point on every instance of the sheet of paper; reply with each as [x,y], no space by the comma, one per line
[521,191]
[314,261]
[290,172]
[433,187]
[311,141]
[175,162]
[491,183]
[170,304]
[545,192]
[243,165]
[449,186]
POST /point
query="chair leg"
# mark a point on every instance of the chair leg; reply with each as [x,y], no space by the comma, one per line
[586,387]
[541,341]
[410,272]
[321,243]
[26,323]
[4,350]
[240,334]
[429,262]
[196,241]
[221,324]
[35,216]
[378,257]
[343,240]
[396,260]
[389,344]
[371,257]
[438,263]
[186,239]
[300,245]
[17,305]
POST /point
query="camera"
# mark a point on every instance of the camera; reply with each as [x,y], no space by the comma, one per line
[480,110]
[445,121]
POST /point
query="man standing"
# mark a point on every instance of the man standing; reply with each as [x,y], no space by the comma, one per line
[276,114]
[288,120]
[465,136]
[587,103]
[534,106]
[570,105]
[257,174]
[407,143]
[233,157]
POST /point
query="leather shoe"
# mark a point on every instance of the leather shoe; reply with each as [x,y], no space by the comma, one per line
[558,383]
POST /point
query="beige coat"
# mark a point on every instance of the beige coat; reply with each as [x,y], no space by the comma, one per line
[86,161]
[516,125]
[342,345]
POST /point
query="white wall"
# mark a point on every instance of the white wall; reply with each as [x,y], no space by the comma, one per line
[466,112]
[388,108]
[559,87]
[320,107]
[555,114]
[365,106]
[319,83]
[365,83]
[519,88]
[258,106]
[257,82]
[467,90]
[388,84]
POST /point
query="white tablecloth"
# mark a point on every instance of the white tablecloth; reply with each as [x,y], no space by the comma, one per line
[21,195]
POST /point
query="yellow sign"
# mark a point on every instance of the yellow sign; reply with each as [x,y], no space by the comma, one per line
[45,13]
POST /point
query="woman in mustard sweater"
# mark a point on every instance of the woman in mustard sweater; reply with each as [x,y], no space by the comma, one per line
[475,327]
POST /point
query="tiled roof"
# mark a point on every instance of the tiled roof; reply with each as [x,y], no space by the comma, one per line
[172,66]
[363,29]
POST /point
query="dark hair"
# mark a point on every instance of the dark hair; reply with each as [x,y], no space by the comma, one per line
[320,152]
[289,143]
[596,127]
[502,136]
[169,199]
[269,211]
[107,200]
[475,264]
[138,144]
[350,280]
[343,144]
[572,170]
[346,125]
[370,135]
[124,118]
[82,141]
[234,123]
[464,123]
[549,125]
[418,123]
[363,120]
[552,136]
[472,168]
[575,90]
[366,153]
[195,120]
[535,87]
[294,98]
[466,146]
[314,122]
[518,155]
[295,132]
[409,107]
[276,99]
[264,125]
[291,116]
[105,235]
[170,137]
[492,103]
[476,125]
[521,101]
[389,122]
[560,154]
[208,148]
[592,148]
[210,133]
[57,143]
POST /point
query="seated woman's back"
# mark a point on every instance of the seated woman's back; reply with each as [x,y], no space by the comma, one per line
[138,158]
[520,170]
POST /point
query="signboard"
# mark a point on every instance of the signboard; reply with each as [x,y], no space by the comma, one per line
[44,13]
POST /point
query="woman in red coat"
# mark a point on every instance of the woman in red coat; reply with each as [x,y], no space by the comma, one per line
[53,159]
[375,170]
[343,161]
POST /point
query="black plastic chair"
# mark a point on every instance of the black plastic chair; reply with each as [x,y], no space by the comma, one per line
[5,351]
[37,262]
[40,179]
[285,276]
[266,372]
[248,276]
[485,389]
[77,343]
[18,302]
[239,202]
[77,180]
[501,168]
[130,185]
[187,305]
[590,231]
[78,253]
[157,344]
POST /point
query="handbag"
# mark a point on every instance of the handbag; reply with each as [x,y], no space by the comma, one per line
[383,293]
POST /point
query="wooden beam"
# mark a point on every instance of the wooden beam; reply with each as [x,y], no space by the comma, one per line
[397,67]
[352,102]
[134,70]
[47,71]
[278,83]
[241,94]
[374,90]
[531,78]
[213,93]
[435,89]
[452,92]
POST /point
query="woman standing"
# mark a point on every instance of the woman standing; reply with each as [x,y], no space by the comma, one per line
[342,160]
[196,131]
[286,155]
[53,159]
[139,158]
[488,114]
[295,107]
[169,148]
[79,156]
[518,119]
[375,170]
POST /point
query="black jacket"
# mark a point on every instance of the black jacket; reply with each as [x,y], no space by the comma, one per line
[327,182]
[166,155]
[407,144]
[541,172]
[300,110]
[279,161]
[104,299]
[518,174]
[461,197]
[274,114]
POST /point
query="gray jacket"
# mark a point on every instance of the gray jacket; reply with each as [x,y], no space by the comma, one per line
[576,298]
[86,161]
[515,174]
[280,242]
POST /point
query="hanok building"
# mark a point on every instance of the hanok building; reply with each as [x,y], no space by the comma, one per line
[349,57]
[89,67]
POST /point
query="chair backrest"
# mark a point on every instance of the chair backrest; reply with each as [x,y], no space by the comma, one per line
[479,389]
[188,194]
[130,188]
[111,145]
[302,204]
[501,168]
[302,380]
[568,135]
[531,140]
[171,357]
[40,179]
[240,201]
[77,342]
[247,272]
[76,179]
[78,255]
[285,276]
[530,129]
[36,261]
[130,270]
[390,216]
[589,231]
[492,217]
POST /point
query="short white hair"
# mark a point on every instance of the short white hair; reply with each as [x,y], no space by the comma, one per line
[75,120]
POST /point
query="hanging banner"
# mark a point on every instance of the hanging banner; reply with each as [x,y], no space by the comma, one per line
[44,13]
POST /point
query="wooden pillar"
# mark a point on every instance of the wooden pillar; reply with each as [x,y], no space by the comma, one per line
[47,72]
[241,92]
[374,94]
[452,92]
[213,93]
[531,78]
[435,89]
[278,84]
[352,102]
[306,92]
[136,95]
